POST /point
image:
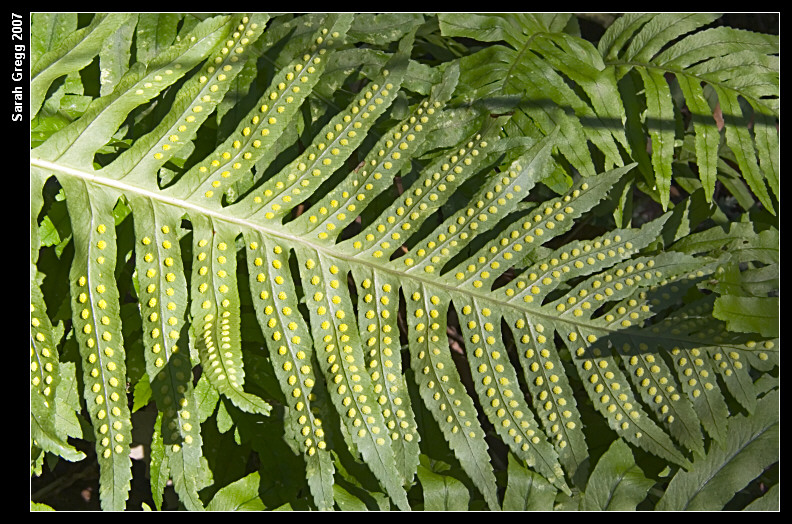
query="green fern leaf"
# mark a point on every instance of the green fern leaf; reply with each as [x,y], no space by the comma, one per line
[711,57]
[216,307]
[442,492]
[733,64]
[300,233]
[617,483]
[159,463]
[45,377]
[442,390]
[154,33]
[716,477]
[241,495]
[378,309]
[341,359]
[95,313]
[45,369]
[526,490]
[291,352]
[522,73]
[163,307]
[72,54]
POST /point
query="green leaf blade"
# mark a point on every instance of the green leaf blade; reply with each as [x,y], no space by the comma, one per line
[443,392]
[749,314]
[714,479]
[340,356]
[216,311]
[617,482]
[95,312]
[73,53]
[442,492]
[527,490]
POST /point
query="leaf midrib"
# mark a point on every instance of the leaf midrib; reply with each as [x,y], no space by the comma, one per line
[727,461]
[680,72]
[218,215]
[623,63]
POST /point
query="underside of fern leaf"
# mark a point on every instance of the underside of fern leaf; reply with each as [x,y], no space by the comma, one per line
[341,241]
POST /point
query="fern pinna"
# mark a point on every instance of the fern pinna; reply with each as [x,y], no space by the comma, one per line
[356,288]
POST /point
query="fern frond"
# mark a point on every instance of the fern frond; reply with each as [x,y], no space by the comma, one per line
[720,63]
[734,63]
[45,377]
[518,77]
[378,310]
[163,295]
[45,372]
[72,54]
[716,477]
[441,388]
[292,354]
[373,226]
[442,492]
[97,326]
[526,490]
[617,482]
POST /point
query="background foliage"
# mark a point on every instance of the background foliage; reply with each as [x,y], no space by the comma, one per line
[668,124]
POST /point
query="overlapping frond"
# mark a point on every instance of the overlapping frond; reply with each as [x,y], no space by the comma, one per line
[661,77]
